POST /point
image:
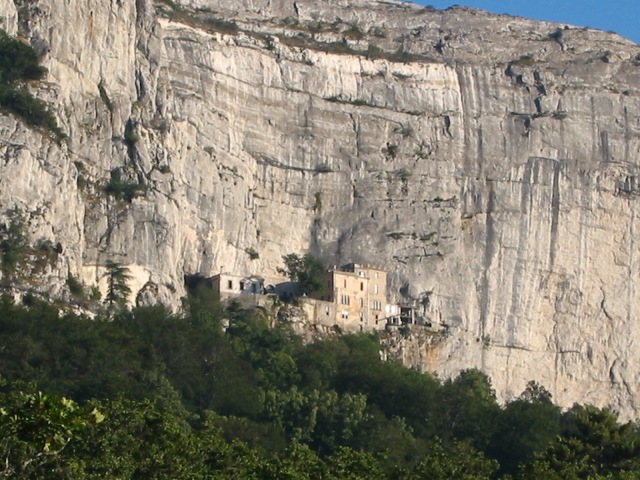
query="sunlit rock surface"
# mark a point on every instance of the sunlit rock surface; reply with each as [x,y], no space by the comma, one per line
[489,163]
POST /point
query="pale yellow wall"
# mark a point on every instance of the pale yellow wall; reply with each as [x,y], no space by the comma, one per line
[377,295]
[349,298]
[365,290]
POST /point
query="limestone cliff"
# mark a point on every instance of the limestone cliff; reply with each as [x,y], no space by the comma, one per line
[490,163]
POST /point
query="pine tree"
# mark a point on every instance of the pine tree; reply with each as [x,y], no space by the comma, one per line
[118,289]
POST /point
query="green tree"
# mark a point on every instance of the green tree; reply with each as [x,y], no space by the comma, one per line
[117,284]
[318,362]
[525,427]
[139,440]
[269,350]
[323,420]
[298,462]
[394,389]
[223,459]
[459,461]
[18,61]
[14,245]
[19,64]
[392,440]
[36,431]
[467,409]
[593,445]
[349,464]
[307,271]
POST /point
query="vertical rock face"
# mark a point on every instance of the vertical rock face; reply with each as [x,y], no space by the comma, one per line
[490,164]
[9,17]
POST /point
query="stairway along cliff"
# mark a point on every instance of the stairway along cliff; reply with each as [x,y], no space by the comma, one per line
[490,164]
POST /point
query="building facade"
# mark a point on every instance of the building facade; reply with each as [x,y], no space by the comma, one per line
[359,294]
[354,297]
[230,286]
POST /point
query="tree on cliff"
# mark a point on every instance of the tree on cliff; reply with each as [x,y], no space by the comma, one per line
[306,271]
[19,64]
[14,243]
[117,283]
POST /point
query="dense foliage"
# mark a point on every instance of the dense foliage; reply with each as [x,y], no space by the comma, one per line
[19,65]
[307,271]
[152,395]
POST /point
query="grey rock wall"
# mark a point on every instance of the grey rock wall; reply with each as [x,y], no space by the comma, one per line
[489,163]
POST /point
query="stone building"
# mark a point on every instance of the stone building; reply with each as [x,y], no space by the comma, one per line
[228,285]
[359,294]
[354,297]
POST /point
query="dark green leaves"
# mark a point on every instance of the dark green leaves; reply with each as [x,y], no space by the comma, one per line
[307,271]
[592,445]
[117,283]
[19,64]
[18,61]
[177,396]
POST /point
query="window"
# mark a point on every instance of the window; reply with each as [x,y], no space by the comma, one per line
[230,284]
[375,289]
[241,285]
[345,283]
[362,303]
[344,299]
[345,314]
[361,286]
[326,310]
[376,305]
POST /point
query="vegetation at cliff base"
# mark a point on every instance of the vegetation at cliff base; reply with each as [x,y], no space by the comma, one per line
[19,65]
[21,259]
[217,393]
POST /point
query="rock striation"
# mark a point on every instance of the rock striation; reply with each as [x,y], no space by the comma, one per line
[490,163]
